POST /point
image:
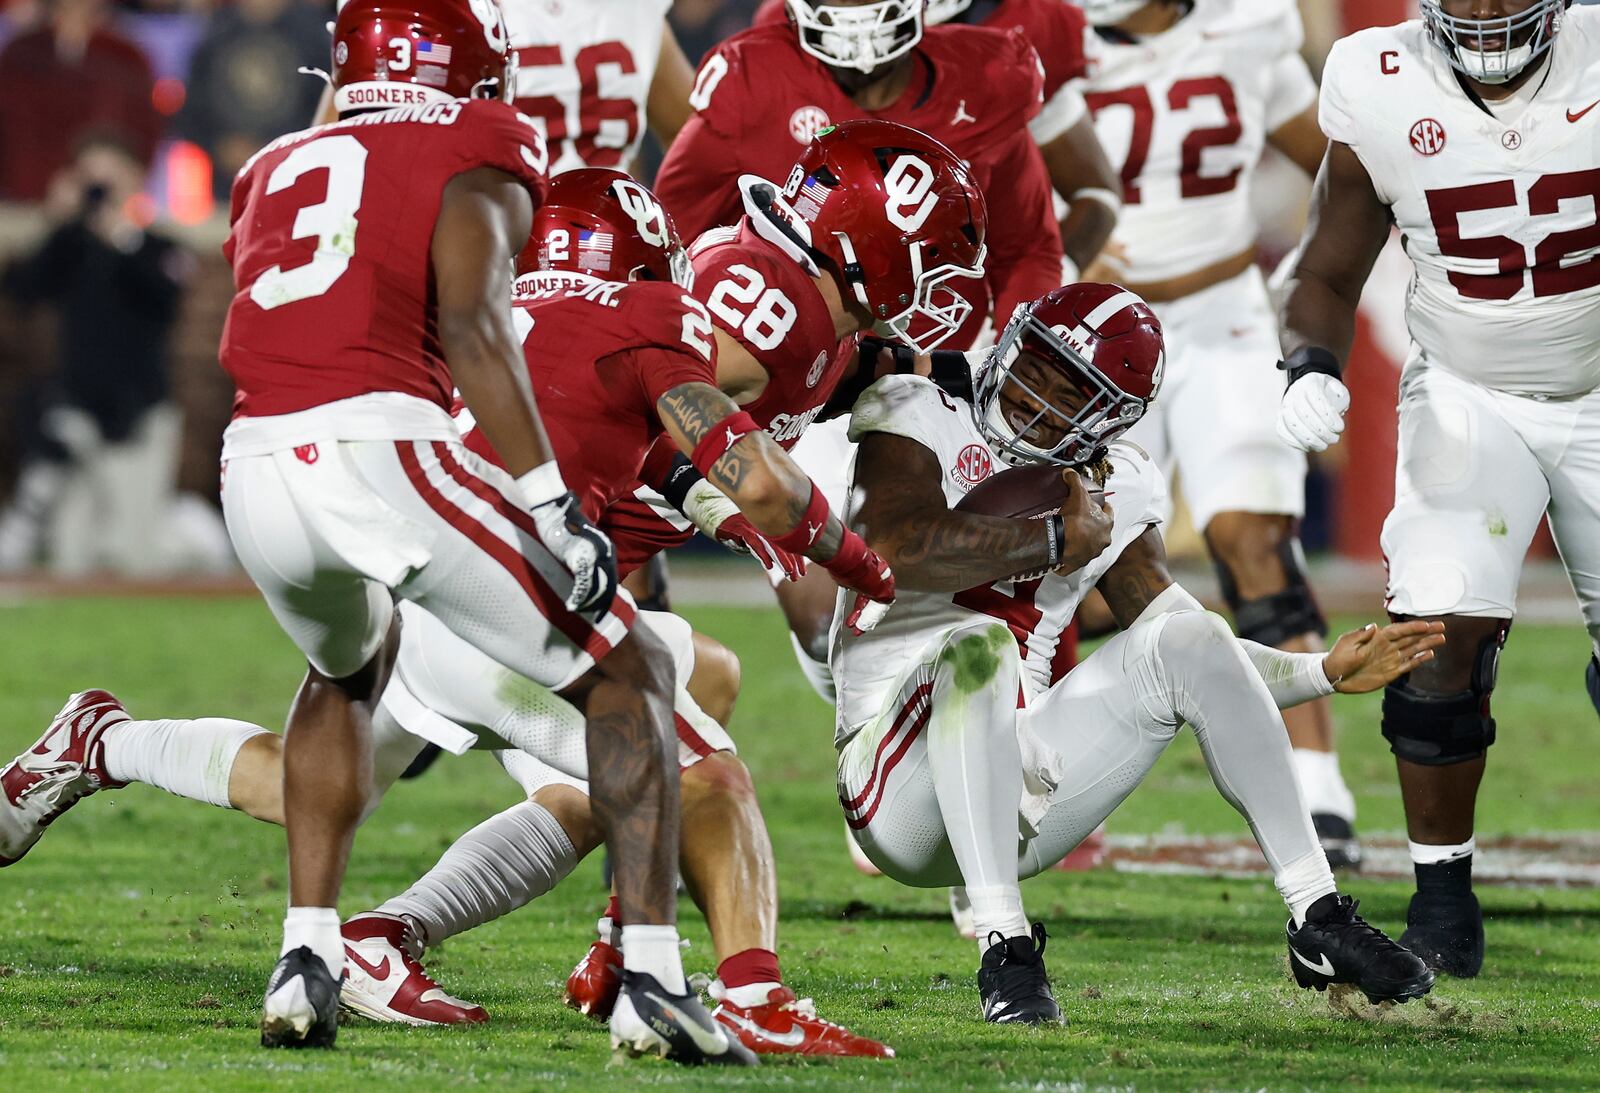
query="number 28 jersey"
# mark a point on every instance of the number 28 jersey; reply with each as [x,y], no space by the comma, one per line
[867,666]
[1496,206]
[1184,115]
[331,249]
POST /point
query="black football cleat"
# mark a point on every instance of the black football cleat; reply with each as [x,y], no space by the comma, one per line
[301,1008]
[1013,983]
[650,1021]
[1339,841]
[1336,945]
[1446,931]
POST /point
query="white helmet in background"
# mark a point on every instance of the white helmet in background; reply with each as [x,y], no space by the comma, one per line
[1494,50]
[942,11]
[1105,13]
[858,36]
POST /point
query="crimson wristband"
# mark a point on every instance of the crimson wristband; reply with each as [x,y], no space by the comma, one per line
[803,535]
[723,435]
[848,561]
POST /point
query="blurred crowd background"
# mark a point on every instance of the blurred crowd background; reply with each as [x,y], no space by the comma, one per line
[121,126]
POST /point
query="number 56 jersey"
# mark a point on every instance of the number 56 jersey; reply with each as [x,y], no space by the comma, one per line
[1496,204]
[331,251]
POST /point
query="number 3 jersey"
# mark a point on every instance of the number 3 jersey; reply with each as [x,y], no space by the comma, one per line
[1184,115]
[1496,204]
[867,667]
[331,251]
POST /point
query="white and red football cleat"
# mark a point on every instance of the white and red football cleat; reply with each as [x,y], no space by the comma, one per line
[1086,855]
[594,984]
[786,1025]
[384,981]
[64,767]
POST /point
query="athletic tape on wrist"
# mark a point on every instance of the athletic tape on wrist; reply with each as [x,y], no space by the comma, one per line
[723,435]
[803,535]
[542,484]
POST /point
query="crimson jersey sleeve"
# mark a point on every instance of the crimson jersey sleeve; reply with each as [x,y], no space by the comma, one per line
[1024,240]
[698,179]
[671,341]
[1059,33]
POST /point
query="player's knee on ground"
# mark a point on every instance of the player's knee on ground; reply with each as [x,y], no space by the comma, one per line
[1439,713]
[1261,572]
[572,810]
[714,684]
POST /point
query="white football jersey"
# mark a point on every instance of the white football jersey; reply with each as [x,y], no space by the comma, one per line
[866,666]
[584,68]
[1185,115]
[1496,206]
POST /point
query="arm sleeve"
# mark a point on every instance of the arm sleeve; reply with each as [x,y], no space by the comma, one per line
[1024,241]
[1291,90]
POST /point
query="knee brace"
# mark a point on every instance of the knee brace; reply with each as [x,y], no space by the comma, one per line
[1281,616]
[1592,678]
[1436,730]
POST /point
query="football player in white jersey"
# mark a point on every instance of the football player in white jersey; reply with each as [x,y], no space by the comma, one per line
[1474,130]
[961,758]
[1185,96]
[596,73]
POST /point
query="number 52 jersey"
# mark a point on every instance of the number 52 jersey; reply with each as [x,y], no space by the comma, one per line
[331,251]
[1496,204]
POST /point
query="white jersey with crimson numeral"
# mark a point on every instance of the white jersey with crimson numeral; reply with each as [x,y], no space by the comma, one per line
[584,68]
[1184,115]
[867,666]
[1497,204]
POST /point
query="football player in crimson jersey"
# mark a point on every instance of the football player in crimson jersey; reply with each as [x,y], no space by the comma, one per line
[1472,130]
[595,72]
[955,728]
[368,257]
[1082,176]
[1185,95]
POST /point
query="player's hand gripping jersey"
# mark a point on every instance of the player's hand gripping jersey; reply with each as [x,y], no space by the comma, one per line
[1185,114]
[866,666]
[759,99]
[1497,207]
[584,68]
[331,253]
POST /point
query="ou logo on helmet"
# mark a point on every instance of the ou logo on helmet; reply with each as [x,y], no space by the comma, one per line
[644,209]
[909,183]
[487,13]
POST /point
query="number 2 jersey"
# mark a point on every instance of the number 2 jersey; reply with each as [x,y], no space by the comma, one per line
[1496,204]
[1184,116]
[867,666]
[331,251]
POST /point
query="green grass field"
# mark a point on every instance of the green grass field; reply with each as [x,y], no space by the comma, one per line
[138,934]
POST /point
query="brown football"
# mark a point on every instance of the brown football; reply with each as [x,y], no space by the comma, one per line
[1019,492]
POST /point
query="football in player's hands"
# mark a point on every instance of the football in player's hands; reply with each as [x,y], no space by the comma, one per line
[1026,493]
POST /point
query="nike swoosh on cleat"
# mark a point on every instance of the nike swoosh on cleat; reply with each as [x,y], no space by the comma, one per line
[1579,115]
[792,1038]
[1324,965]
[377,971]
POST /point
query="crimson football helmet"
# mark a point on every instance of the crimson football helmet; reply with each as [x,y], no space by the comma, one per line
[1494,51]
[389,53]
[1104,13]
[858,36]
[1072,371]
[605,224]
[898,217]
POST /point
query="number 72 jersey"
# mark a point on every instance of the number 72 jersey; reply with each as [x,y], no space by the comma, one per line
[1496,206]
[331,249]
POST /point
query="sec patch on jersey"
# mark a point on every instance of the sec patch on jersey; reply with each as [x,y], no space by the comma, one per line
[1023,493]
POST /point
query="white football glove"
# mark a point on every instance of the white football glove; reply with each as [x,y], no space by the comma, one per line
[1311,415]
[582,549]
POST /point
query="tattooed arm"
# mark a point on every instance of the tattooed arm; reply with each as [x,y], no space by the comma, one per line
[1136,578]
[755,474]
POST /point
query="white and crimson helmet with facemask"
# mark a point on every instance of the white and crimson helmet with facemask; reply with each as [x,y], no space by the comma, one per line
[1072,371]
[858,36]
[897,218]
[1495,50]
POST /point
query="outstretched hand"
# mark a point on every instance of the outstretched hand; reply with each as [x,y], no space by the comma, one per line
[1375,656]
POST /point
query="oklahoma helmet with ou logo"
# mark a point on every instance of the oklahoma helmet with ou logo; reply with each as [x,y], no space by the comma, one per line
[606,224]
[1072,371]
[897,216]
[389,53]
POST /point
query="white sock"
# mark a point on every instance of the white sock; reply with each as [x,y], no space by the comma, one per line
[1304,881]
[654,951]
[817,672]
[505,862]
[997,909]
[1321,783]
[317,928]
[192,759]
[747,996]
[1428,854]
